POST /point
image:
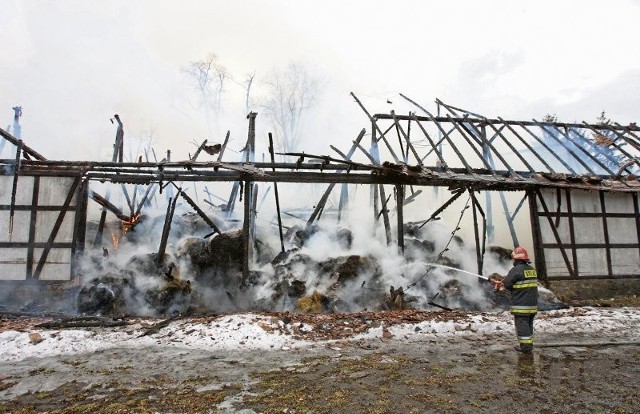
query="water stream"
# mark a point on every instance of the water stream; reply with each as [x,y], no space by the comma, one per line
[458,270]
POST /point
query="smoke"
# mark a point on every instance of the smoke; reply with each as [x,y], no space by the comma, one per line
[347,264]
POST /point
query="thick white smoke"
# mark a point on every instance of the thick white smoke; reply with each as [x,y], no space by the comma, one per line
[316,258]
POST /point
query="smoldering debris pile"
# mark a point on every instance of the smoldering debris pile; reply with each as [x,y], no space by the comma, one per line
[199,275]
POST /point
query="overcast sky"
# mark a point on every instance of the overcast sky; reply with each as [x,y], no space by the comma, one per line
[71,65]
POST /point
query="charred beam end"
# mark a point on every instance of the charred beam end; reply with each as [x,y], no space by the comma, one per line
[108,205]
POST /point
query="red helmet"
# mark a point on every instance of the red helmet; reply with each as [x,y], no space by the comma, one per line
[519,253]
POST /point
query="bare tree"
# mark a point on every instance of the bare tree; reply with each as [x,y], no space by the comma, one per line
[208,77]
[290,93]
[246,84]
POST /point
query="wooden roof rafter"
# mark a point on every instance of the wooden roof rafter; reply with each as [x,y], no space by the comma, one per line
[555,147]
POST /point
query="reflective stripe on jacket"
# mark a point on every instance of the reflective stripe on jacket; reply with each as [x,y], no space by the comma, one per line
[522,282]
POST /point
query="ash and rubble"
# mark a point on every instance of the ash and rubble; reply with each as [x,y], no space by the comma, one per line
[203,274]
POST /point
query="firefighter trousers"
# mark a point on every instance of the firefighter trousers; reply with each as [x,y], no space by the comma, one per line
[524,330]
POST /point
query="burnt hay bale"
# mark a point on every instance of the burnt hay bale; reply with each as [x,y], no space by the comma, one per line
[173,297]
[227,249]
[103,296]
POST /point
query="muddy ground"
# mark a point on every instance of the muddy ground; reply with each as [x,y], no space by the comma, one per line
[390,374]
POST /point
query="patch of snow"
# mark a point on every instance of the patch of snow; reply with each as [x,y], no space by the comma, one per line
[255,331]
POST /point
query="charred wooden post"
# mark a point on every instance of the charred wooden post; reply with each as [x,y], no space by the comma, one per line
[385,216]
[254,212]
[275,188]
[169,191]
[14,187]
[97,241]
[479,249]
[378,191]
[80,226]
[250,155]
[165,230]
[17,129]
[248,198]
[118,146]
[224,145]
[231,204]
[246,231]
[400,216]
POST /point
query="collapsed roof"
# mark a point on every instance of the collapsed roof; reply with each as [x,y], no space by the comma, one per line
[458,149]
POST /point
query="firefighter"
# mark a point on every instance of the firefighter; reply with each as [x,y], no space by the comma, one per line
[522,282]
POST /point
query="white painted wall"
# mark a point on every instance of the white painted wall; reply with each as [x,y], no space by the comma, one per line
[590,230]
[52,192]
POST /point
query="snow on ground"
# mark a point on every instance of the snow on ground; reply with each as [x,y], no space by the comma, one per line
[258,331]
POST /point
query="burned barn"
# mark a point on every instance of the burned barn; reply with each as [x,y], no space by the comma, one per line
[163,236]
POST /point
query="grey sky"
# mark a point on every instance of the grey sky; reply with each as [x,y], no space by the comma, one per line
[73,64]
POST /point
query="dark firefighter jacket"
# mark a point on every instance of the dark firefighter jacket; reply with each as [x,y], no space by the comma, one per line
[522,282]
